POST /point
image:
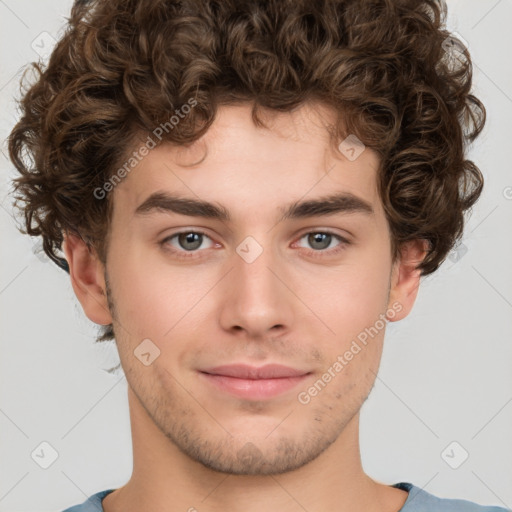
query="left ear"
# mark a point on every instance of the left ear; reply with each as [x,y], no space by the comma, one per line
[405,278]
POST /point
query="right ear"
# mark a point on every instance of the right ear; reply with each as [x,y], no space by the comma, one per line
[87,278]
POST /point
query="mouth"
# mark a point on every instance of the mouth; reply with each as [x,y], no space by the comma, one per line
[254,383]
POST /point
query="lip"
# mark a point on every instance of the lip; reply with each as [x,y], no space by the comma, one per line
[254,383]
[245,371]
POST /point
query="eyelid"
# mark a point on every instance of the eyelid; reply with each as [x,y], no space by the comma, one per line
[345,235]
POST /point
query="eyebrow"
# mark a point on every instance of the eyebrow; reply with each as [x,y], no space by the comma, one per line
[327,205]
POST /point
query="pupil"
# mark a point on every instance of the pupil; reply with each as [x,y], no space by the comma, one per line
[190,238]
[321,238]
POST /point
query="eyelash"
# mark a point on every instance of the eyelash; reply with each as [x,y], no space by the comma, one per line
[195,254]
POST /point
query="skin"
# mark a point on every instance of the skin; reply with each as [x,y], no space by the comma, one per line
[298,303]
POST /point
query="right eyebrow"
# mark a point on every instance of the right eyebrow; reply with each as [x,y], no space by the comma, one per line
[165,202]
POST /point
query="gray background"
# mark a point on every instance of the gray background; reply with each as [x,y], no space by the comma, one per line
[446,370]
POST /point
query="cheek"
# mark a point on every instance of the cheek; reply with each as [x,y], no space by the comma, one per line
[352,355]
[155,300]
[355,297]
[353,306]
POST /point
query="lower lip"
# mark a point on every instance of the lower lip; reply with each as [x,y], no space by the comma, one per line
[253,389]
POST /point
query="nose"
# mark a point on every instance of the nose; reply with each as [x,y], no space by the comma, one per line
[257,298]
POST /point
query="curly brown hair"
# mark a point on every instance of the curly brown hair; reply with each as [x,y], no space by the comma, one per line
[386,67]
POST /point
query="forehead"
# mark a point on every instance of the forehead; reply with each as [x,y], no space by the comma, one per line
[244,166]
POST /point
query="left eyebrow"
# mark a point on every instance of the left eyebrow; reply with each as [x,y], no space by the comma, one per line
[321,206]
[328,205]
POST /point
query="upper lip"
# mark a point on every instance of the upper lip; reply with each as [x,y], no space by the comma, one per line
[244,371]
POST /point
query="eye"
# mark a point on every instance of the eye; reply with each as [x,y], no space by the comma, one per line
[186,242]
[322,240]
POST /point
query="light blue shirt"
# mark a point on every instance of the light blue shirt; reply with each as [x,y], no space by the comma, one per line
[417,501]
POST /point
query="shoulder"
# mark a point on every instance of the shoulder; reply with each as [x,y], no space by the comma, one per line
[91,504]
[422,501]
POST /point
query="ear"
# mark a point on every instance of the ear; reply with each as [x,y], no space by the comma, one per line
[87,278]
[405,279]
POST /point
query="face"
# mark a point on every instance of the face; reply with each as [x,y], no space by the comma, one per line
[257,278]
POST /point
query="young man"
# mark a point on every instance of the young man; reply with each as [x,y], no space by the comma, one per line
[312,155]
